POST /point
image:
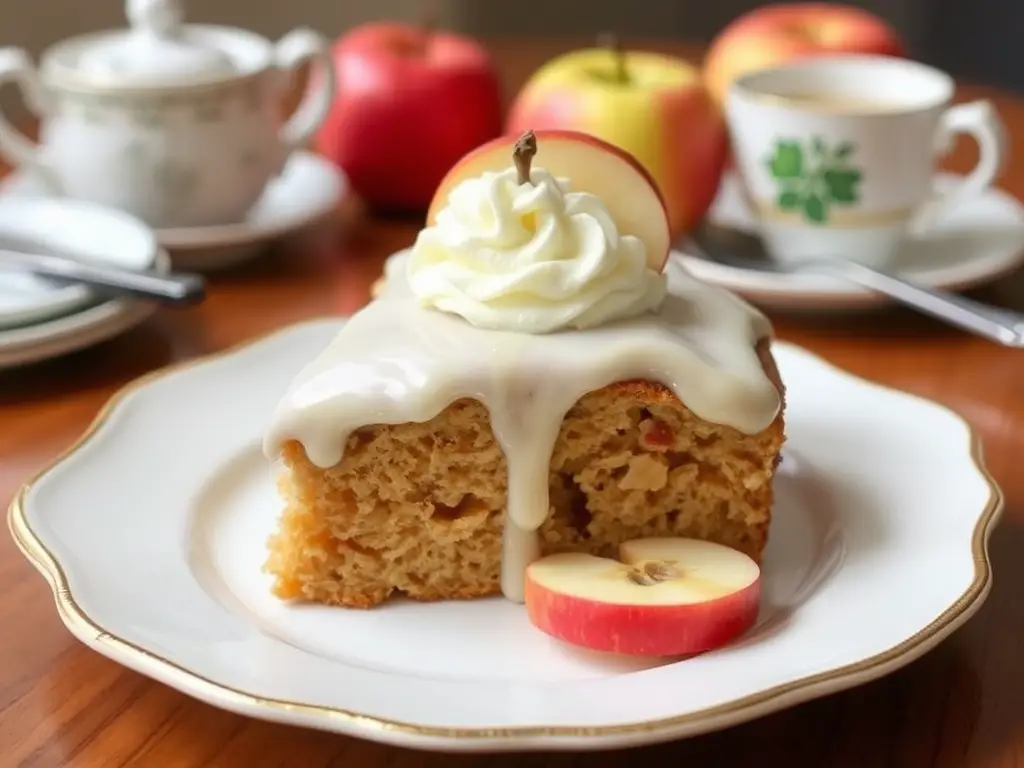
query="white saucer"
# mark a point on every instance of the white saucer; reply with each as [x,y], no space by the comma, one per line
[974,243]
[72,332]
[63,227]
[308,191]
[878,550]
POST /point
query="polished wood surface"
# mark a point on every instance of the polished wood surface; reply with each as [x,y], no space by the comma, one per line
[960,705]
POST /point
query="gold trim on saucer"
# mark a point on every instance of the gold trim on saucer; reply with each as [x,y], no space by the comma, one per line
[838,218]
[167,671]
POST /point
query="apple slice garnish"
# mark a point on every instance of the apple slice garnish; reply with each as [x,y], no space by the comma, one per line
[591,165]
[667,597]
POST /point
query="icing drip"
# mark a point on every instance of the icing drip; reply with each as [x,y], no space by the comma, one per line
[397,361]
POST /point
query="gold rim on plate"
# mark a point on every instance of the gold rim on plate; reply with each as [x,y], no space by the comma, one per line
[806,688]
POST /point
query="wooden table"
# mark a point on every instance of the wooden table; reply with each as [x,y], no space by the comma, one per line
[960,705]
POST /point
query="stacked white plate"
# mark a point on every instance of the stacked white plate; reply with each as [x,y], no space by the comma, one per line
[42,318]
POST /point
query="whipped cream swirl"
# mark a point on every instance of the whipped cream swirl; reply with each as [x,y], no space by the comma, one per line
[532,258]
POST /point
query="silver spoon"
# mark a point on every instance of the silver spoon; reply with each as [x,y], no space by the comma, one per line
[180,288]
[1002,326]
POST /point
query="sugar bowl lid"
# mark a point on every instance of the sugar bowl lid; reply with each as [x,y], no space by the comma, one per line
[158,49]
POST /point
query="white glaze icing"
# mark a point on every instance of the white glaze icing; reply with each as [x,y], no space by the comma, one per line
[396,361]
[532,257]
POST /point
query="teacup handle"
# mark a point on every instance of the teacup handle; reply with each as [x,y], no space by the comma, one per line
[16,67]
[979,120]
[292,50]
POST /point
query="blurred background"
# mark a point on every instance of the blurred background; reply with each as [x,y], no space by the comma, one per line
[972,39]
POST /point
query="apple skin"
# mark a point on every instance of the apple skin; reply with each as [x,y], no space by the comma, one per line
[591,601]
[668,630]
[408,105]
[663,116]
[587,175]
[775,34]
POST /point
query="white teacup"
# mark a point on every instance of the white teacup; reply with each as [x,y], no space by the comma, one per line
[838,154]
[177,124]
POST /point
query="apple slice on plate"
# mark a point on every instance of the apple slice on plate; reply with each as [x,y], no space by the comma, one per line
[667,597]
[591,165]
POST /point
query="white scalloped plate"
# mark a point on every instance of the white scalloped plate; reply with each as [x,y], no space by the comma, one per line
[151,532]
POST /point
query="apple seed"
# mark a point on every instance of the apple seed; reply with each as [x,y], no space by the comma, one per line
[653,572]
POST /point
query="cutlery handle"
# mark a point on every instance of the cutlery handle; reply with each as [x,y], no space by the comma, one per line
[182,288]
[1000,325]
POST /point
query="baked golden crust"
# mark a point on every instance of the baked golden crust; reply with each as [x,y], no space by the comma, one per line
[418,509]
[656,392]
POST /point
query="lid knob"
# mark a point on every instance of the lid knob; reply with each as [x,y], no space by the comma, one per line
[159,18]
[158,50]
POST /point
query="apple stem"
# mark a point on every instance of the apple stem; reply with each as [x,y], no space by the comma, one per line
[428,22]
[614,46]
[522,155]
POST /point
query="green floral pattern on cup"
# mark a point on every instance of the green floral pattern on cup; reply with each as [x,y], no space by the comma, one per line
[813,177]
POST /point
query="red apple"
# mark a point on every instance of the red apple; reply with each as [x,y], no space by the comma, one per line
[653,106]
[774,34]
[590,165]
[410,102]
[667,597]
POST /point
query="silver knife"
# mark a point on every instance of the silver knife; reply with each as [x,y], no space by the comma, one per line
[178,288]
[744,250]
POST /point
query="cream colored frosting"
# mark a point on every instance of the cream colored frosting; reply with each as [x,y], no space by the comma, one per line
[533,257]
[396,361]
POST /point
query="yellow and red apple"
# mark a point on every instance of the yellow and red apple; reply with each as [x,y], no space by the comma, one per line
[591,165]
[775,34]
[653,106]
[410,102]
[663,597]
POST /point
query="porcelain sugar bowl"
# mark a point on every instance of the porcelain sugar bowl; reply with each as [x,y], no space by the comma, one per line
[179,124]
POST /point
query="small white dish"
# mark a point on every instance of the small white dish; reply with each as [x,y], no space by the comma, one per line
[75,331]
[307,192]
[878,551]
[66,228]
[973,242]
[26,298]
